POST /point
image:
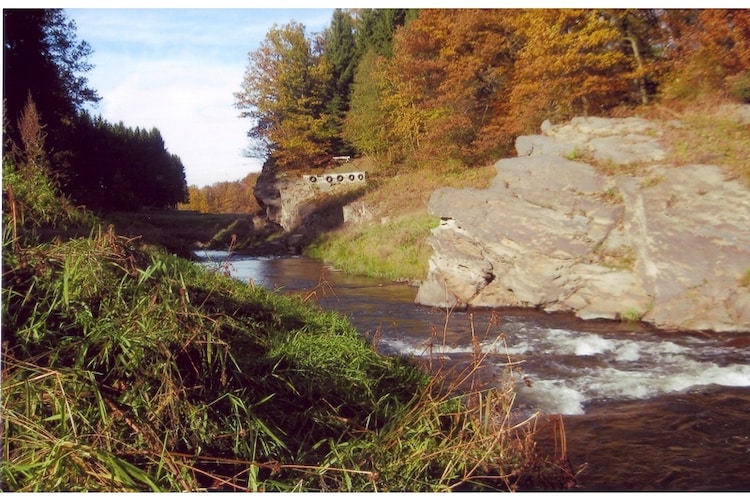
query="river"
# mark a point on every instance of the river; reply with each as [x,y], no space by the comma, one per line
[643,410]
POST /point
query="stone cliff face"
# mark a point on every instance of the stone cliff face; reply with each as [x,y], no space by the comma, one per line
[300,209]
[669,246]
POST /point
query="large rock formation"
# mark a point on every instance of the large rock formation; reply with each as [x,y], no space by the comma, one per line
[670,246]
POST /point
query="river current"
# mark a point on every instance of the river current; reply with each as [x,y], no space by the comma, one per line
[644,410]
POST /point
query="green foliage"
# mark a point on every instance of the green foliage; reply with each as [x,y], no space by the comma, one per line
[42,58]
[365,126]
[739,86]
[96,164]
[375,29]
[31,200]
[341,55]
[114,167]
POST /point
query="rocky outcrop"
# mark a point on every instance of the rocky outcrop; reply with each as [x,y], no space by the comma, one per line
[669,246]
[301,209]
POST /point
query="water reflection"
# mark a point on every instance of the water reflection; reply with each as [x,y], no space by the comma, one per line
[566,364]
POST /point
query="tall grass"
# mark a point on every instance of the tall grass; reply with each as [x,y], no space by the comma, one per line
[127,369]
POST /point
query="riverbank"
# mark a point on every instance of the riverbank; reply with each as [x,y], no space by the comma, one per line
[127,368]
[609,218]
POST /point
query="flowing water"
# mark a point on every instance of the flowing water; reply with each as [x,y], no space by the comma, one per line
[642,409]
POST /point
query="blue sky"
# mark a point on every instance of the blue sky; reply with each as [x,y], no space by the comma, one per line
[177,70]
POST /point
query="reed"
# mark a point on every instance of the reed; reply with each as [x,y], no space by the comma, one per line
[133,370]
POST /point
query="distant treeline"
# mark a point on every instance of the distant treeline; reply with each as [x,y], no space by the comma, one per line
[229,197]
[456,86]
[101,165]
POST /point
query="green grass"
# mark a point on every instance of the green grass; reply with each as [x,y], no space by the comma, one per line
[394,244]
[394,249]
[130,369]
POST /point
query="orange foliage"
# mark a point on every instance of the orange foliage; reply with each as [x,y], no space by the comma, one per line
[570,64]
[231,197]
[708,49]
[450,69]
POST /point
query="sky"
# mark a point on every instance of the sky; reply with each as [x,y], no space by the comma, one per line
[177,70]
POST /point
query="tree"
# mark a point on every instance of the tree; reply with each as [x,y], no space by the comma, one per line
[642,40]
[375,28]
[341,55]
[284,91]
[570,63]
[114,167]
[451,71]
[42,57]
[709,51]
[364,126]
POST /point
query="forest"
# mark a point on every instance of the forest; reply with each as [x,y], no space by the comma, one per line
[420,88]
[408,88]
[434,86]
[127,368]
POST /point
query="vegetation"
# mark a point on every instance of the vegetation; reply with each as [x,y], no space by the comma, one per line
[224,197]
[457,86]
[394,246]
[126,368]
[394,250]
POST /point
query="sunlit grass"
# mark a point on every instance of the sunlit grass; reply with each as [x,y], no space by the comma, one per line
[707,136]
[128,369]
[393,245]
[393,249]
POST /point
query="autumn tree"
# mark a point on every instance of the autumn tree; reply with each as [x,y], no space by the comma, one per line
[708,52]
[235,197]
[570,62]
[451,72]
[284,93]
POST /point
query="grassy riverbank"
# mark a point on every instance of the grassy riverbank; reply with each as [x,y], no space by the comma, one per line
[394,244]
[127,368]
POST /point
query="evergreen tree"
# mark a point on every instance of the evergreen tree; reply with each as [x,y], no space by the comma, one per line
[341,54]
[375,29]
[42,58]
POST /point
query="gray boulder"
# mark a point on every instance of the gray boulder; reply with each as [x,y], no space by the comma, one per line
[669,246]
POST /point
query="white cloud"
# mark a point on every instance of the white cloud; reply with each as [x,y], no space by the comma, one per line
[177,70]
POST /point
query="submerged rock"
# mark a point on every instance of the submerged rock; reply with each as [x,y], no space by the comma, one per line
[668,246]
